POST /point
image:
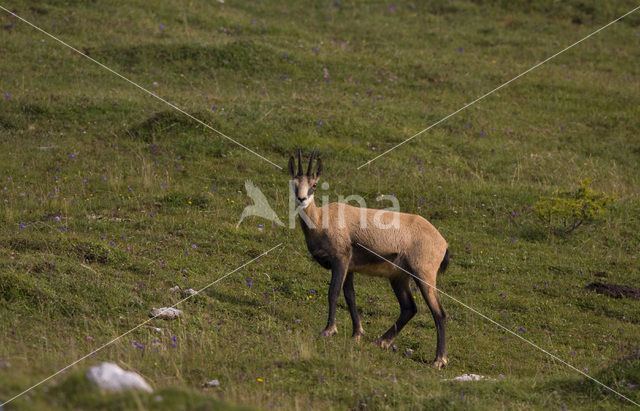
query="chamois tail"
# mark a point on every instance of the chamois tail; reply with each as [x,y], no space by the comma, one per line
[445,263]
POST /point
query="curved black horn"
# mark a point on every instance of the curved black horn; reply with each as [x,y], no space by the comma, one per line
[313,154]
[299,162]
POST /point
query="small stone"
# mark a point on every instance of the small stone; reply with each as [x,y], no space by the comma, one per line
[212,383]
[469,377]
[184,293]
[155,329]
[166,313]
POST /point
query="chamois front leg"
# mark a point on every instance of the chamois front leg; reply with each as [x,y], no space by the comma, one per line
[338,274]
[350,297]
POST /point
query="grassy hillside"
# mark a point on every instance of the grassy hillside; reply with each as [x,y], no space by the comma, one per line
[109,198]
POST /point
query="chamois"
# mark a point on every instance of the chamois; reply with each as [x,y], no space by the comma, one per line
[349,239]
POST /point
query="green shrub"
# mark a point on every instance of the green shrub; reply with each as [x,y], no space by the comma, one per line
[567,210]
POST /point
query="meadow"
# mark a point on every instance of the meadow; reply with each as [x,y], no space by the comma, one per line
[109,197]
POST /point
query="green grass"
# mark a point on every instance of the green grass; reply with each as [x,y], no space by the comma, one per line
[392,72]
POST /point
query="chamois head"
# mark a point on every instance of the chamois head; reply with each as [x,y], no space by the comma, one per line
[304,184]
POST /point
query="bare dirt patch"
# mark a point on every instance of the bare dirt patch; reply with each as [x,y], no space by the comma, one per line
[615,290]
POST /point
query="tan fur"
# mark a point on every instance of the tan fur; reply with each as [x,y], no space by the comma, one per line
[333,237]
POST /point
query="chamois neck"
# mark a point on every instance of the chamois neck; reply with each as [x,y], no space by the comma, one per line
[314,214]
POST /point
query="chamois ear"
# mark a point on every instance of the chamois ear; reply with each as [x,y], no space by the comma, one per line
[292,166]
[318,168]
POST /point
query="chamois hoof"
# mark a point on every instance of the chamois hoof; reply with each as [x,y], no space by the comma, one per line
[439,363]
[386,343]
[357,336]
[329,331]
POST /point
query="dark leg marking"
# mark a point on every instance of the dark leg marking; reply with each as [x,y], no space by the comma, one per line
[408,309]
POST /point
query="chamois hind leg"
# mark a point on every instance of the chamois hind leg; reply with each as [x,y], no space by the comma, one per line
[408,308]
[350,296]
[430,295]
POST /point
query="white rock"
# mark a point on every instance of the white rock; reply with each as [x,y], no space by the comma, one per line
[469,377]
[212,383]
[155,329]
[108,376]
[187,292]
[166,313]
